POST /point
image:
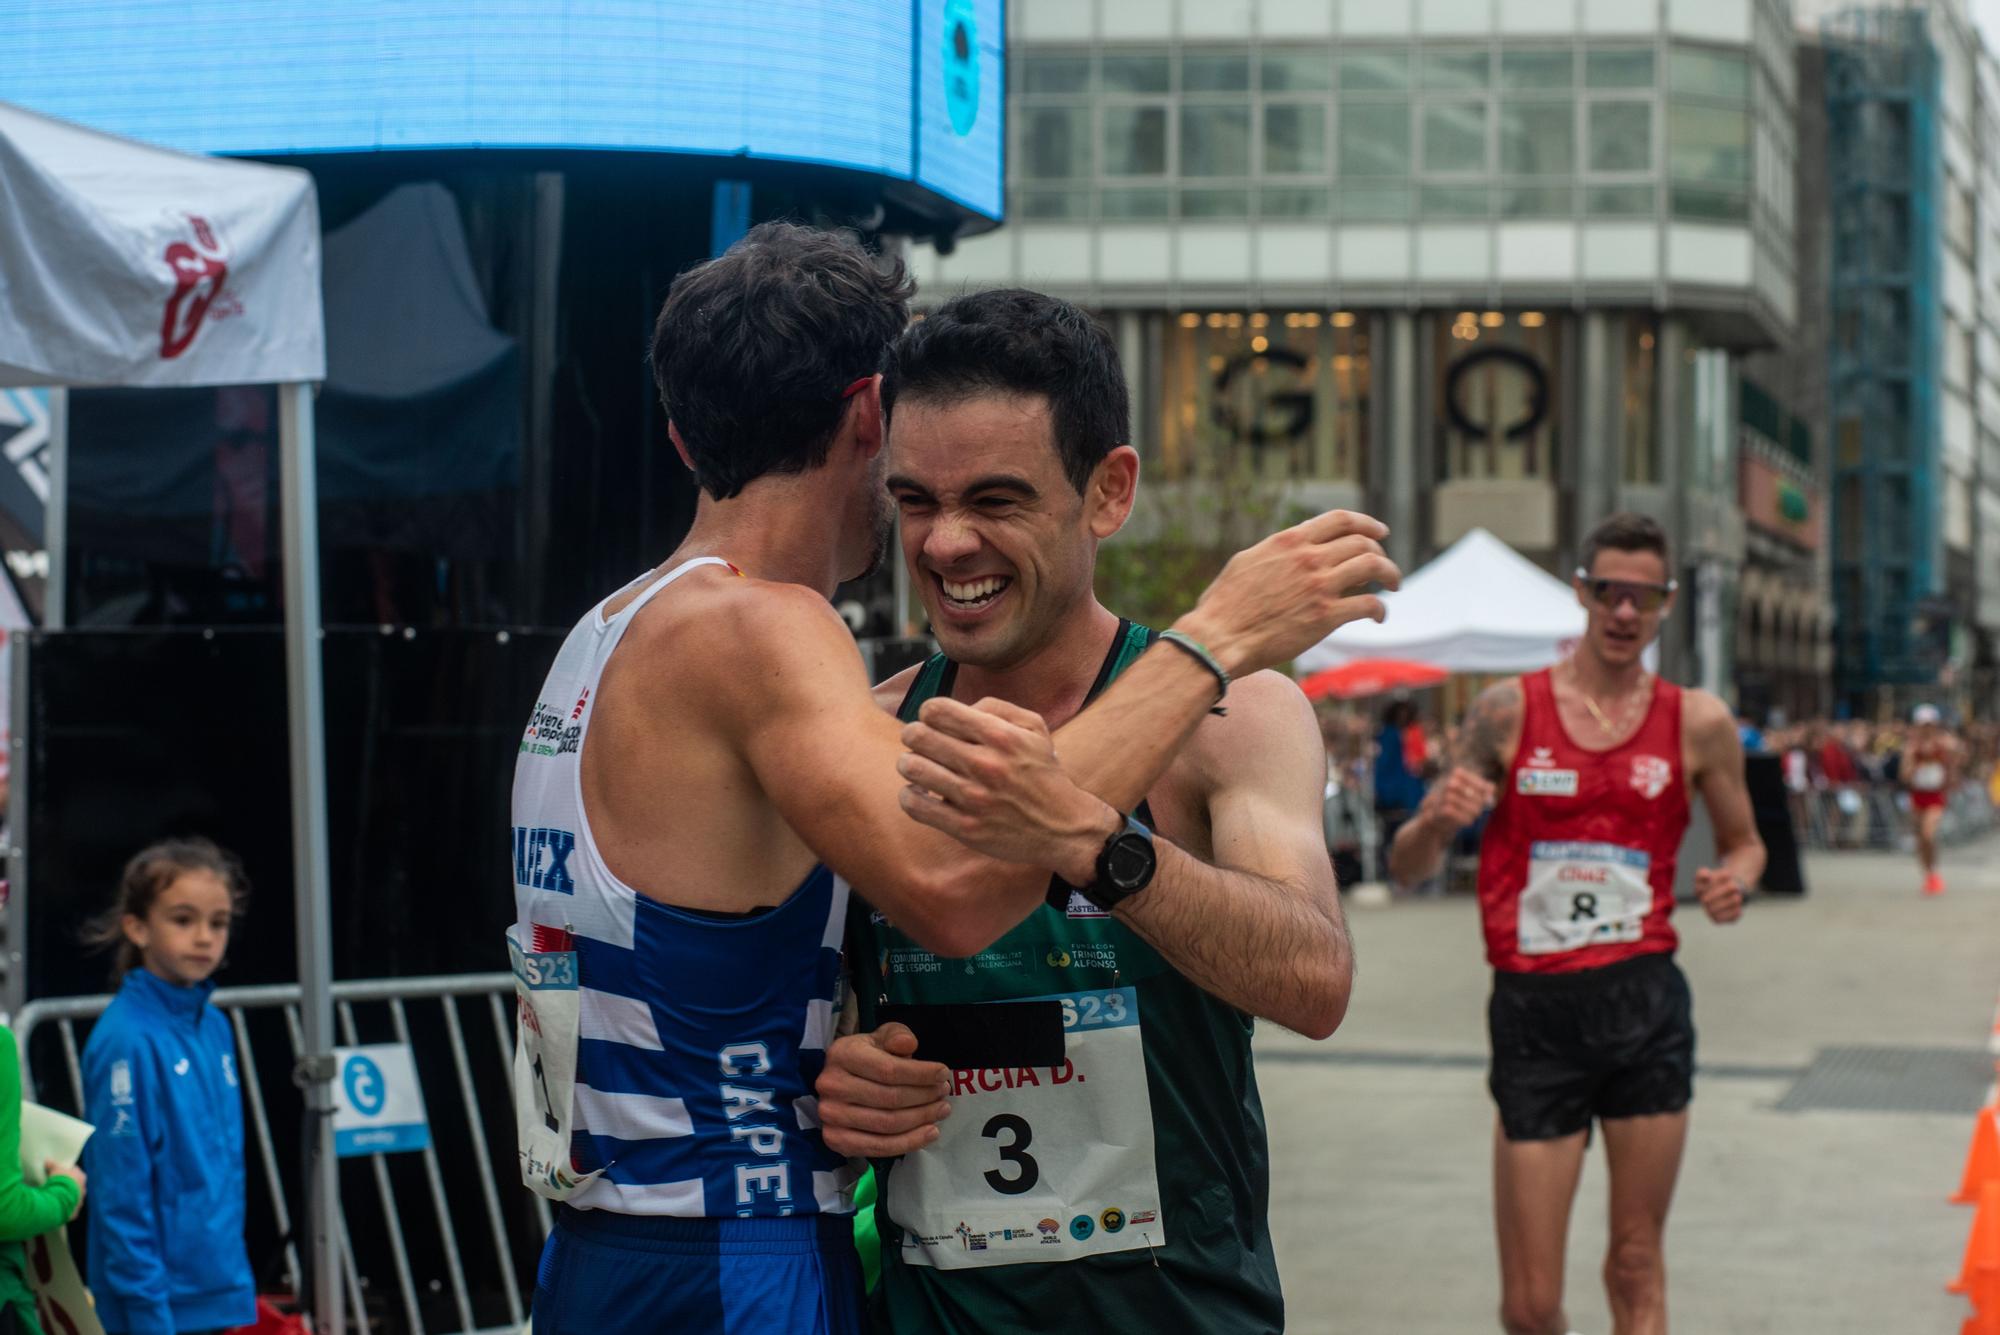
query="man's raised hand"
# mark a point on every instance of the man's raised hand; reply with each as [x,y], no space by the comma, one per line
[1457,800]
[1277,599]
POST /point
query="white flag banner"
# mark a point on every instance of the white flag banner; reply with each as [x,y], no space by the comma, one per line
[125,264]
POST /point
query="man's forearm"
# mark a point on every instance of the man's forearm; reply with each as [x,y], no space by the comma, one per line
[1247,940]
[1746,862]
[1418,851]
[1120,746]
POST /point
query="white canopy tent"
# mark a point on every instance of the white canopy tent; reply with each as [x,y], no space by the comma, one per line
[127,265]
[1480,606]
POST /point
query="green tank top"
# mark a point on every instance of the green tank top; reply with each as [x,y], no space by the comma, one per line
[1196,1253]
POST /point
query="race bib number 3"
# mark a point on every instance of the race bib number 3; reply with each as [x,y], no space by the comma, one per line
[1041,1163]
[1583,894]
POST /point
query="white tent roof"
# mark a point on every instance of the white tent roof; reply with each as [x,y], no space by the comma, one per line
[125,264]
[1479,607]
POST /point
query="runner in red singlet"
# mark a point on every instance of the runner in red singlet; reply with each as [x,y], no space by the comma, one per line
[1593,762]
[1930,771]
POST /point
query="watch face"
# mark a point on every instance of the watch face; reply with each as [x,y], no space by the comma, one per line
[1128,863]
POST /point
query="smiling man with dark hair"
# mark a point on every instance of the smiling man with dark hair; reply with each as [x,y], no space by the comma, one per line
[1121,1184]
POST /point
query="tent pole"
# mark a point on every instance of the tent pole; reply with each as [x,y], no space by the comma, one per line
[55,513]
[305,707]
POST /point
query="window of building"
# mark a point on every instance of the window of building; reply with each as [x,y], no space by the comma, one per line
[1374,138]
[1135,72]
[1454,201]
[1531,71]
[1455,137]
[1620,201]
[1498,398]
[1294,138]
[1135,141]
[1305,71]
[1618,67]
[1284,391]
[1215,72]
[1708,157]
[1055,142]
[1454,70]
[1222,204]
[1381,70]
[1148,202]
[1215,140]
[1286,201]
[1698,72]
[1538,201]
[1372,203]
[1050,204]
[1958,213]
[1621,136]
[1055,74]
[1537,138]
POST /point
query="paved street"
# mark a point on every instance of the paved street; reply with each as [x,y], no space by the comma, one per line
[1811,1222]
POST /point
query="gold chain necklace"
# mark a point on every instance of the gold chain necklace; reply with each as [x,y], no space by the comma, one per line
[1624,714]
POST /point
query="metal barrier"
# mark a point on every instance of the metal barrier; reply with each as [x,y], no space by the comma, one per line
[1877,817]
[494,1176]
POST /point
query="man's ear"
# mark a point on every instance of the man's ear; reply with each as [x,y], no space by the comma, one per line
[680,446]
[1113,489]
[864,418]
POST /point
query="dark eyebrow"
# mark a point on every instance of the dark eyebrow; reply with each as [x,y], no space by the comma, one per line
[1013,482]
[1010,482]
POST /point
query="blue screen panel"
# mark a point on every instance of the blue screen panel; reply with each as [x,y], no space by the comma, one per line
[962,82]
[827,81]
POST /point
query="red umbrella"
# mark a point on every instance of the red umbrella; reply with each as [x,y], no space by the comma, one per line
[1370,676]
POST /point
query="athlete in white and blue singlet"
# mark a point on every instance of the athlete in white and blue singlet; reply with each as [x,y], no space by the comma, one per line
[705,770]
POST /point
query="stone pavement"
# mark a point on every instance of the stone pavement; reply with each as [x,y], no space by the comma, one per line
[1821,1221]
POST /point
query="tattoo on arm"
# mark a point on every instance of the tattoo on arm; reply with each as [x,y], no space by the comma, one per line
[1489,725]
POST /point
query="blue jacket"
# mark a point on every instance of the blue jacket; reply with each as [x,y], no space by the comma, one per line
[166,1163]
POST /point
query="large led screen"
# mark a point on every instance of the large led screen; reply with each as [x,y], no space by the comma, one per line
[911,90]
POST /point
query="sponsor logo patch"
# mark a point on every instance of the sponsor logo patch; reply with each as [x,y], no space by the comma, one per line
[1546,783]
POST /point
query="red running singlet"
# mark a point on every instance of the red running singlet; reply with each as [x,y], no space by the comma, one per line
[1576,868]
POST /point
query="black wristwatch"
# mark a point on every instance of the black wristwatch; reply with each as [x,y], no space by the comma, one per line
[1124,868]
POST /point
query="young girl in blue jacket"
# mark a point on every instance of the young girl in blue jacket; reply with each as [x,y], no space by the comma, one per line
[166,1164]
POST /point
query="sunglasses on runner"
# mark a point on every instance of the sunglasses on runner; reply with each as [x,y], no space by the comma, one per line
[1608,593]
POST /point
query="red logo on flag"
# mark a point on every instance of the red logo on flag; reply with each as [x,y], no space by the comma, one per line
[199,271]
[551,940]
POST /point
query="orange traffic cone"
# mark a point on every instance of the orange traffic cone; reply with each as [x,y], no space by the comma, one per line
[1982,1248]
[1982,1160]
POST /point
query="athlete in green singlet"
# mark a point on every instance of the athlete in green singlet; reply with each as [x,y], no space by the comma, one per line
[1125,1186]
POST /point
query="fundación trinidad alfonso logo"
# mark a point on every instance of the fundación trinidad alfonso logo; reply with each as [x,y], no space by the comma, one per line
[199,263]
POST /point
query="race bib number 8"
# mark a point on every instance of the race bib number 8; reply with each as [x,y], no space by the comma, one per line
[1041,1163]
[1583,894]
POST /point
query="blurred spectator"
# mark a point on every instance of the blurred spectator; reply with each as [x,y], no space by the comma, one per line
[1401,752]
[26,1212]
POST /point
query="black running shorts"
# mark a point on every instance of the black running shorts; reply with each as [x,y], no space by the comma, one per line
[1601,1043]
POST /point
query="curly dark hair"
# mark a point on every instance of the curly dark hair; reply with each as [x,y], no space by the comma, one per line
[151,870]
[752,349]
[1009,340]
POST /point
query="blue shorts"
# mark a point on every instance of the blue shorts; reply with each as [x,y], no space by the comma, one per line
[609,1274]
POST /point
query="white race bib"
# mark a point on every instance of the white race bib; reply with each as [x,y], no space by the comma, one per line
[1041,1163]
[1928,777]
[545,1034]
[1583,894]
